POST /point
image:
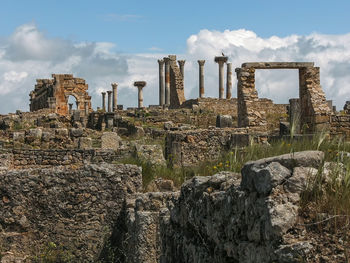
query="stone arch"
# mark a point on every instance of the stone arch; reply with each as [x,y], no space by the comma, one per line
[54,93]
[314,110]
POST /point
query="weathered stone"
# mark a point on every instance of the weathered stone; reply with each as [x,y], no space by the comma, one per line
[168,125]
[224,121]
[18,136]
[85,143]
[76,132]
[160,185]
[150,153]
[110,140]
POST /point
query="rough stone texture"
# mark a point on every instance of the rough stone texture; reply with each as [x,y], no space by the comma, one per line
[74,208]
[224,121]
[85,143]
[216,219]
[54,93]
[347,107]
[177,94]
[150,153]
[144,213]
[340,125]
[194,146]
[110,140]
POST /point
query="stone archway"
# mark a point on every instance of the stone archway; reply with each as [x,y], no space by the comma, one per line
[54,93]
[314,110]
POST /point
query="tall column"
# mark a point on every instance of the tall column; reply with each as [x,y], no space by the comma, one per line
[114,90]
[221,61]
[167,81]
[109,93]
[161,82]
[70,108]
[140,85]
[182,67]
[201,78]
[229,81]
[86,108]
[78,104]
[103,101]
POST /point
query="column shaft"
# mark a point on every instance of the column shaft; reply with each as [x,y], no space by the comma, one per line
[167,81]
[140,97]
[114,90]
[221,80]
[161,82]
[109,101]
[86,108]
[201,78]
[229,81]
[103,101]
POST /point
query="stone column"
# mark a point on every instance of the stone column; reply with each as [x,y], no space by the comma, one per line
[167,81]
[182,67]
[201,78]
[229,81]
[114,90]
[294,115]
[103,101]
[86,108]
[161,82]
[221,61]
[70,108]
[78,104]
[109,93]
[140,85]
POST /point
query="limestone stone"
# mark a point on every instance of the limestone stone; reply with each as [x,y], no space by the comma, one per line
[110,140]
[224,121]
[85,143]
[150,153]
[18,136]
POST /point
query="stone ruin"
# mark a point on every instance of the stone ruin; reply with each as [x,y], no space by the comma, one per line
[54,94]
[314,110]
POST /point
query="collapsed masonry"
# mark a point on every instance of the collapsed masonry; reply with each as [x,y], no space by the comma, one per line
[54,94]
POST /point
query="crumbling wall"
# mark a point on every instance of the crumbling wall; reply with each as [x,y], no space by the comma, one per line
[177,94]
[75,208]
[187,148]
[340,125]
[54,93]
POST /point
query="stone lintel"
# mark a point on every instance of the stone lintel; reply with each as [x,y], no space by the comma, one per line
[140,83]
[221,59]
[278,65]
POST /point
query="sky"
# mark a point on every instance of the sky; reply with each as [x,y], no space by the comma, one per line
[120,41]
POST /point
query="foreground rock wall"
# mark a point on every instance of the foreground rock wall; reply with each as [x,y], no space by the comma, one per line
[75,208]
[220,219]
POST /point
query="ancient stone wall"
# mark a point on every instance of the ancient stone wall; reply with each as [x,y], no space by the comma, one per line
[54,93]
[21,158]
[340,125]
[187,148]
[177,94]
[75,209]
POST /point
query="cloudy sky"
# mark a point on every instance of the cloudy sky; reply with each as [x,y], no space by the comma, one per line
[120,41]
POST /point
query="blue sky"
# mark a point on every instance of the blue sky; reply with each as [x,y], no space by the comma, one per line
[139,26]
[120,41]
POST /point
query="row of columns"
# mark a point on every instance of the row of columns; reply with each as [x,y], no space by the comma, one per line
[111,100]
[164,90]
[86,107]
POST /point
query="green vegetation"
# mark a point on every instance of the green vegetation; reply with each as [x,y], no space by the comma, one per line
[52,253]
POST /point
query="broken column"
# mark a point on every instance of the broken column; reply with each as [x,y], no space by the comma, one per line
[140,85]
[109,93]
[103,101]
[201,78]
[86,108]
[182,67]
[294,115]
[161,82]
[70,108]
[114,90]
[167,81]
[229,81]
[221,61]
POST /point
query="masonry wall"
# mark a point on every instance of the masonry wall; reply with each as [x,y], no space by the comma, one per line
[340,125]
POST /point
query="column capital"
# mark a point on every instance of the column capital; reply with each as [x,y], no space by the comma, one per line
[109,92]
[221,59]
[103,93]
[161,61]
[181,62]
[140,83]
[114,84]
[201,62]
[166,60]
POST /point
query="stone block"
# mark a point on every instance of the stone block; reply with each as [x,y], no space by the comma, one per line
[18,136]
[76,132]
[85,143]
[224,121]
[110,140]
[62,132]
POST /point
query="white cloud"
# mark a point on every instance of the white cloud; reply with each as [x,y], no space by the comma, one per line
[29,54]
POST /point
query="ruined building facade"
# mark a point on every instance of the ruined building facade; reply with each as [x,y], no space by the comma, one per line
[54,93]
